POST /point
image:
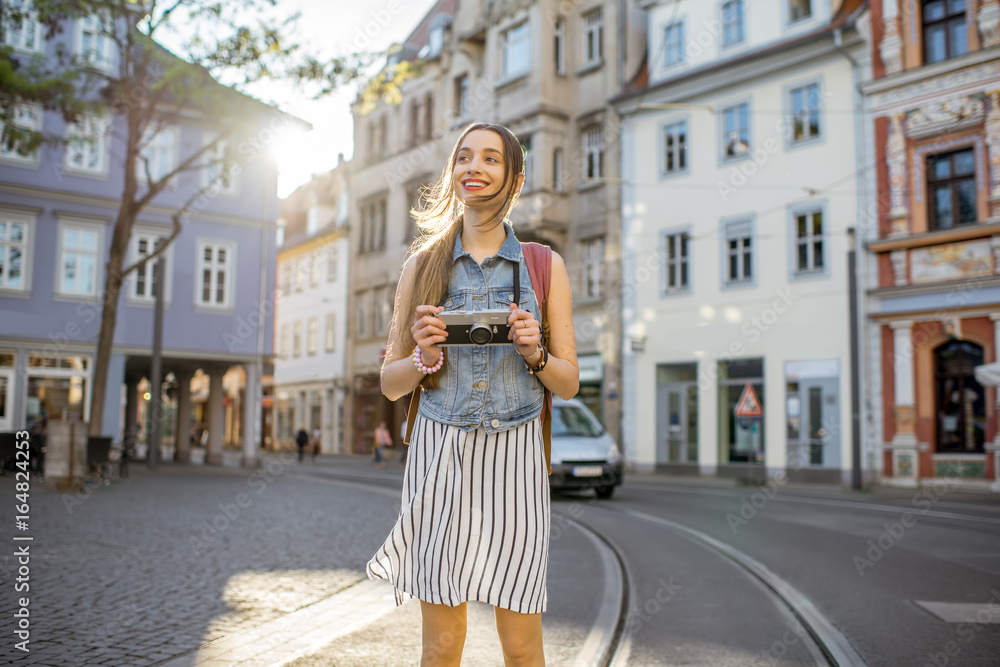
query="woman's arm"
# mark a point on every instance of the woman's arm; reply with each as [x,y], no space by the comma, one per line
[561,374]
[399,375]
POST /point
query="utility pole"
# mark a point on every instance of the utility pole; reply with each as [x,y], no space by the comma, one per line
[155,366]
[852,286]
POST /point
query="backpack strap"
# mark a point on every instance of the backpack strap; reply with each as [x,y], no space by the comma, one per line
[538,257]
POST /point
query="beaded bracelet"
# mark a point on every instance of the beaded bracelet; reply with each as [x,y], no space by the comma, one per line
[418,361]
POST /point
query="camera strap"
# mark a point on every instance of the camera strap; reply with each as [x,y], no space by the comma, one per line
[517,283]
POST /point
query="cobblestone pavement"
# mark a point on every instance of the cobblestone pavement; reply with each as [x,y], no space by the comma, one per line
[142,570]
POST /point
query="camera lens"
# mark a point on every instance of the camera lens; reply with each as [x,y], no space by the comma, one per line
[480,334]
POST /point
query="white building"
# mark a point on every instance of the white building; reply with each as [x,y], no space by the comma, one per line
[311,315]
[743,153]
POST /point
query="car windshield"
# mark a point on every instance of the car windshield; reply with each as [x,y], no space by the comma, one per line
[571,421]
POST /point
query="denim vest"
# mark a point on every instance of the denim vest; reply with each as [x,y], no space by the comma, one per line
[486,385]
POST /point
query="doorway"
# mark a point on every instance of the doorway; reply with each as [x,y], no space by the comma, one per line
[960,399]
[812,414]
[677,415]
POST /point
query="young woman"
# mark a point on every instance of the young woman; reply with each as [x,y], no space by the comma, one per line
[474,521]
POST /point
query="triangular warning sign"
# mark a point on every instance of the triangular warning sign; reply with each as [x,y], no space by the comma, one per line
[749,405]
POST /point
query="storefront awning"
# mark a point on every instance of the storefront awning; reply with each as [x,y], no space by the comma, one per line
[988,375]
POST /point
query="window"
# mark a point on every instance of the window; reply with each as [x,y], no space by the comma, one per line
[94,40]
[312,336]
[364,313]
[736,131]
[960,400]
[86,150]
[79,260]
[415,122]
[381,225]
[557,170]
[673,45]
[428,117]
[739,251]
[158,152]
[951,183]
[215,275]
[301,271]
[593,153]
[805,102]
[220,168]
[331,332]
[285,340]
[287,276]
[297,340]
[23,32]
[529,164]
[809,246]
[733,25]
[315,270]
[383,310]
[143,245]
[799,10]
[383,137]
[15,141]
[373,223]
[593,37]
[462,109]
[14,232]
[559,42]
[331,263]
[675,148]
[945,32]
[676,274]
[516,51]
[435,42]
[592,255]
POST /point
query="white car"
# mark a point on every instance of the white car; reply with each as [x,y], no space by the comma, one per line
[584,455]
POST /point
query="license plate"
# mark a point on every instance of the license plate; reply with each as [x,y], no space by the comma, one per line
[588,471]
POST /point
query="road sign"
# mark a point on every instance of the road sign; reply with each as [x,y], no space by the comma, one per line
[749,404]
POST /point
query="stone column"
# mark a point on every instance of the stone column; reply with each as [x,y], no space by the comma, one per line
[994,447]
[183,430]
[891,47]
[989,23]
[251,401]
[905,458]
[216,415]
[895,157]
[993,144]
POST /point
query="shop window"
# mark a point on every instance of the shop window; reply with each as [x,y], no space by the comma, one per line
[741,438]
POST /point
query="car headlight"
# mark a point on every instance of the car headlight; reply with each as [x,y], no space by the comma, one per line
[614,454]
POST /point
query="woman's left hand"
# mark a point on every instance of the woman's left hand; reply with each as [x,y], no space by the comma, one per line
[524,331]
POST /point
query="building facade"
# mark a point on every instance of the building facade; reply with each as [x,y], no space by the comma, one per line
[310,379]
[741,148]
[545,69]
[58,207]
[935,308]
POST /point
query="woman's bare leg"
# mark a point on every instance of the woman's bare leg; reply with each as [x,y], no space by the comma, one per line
[443,634]
[520,637]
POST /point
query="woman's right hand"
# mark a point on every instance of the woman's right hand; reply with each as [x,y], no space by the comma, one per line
[429,331]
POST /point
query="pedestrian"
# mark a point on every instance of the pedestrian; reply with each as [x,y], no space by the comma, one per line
[301,438]
[315,444]
[475,514]
[382,440]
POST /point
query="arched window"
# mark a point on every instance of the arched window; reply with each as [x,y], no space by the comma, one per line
[960,400]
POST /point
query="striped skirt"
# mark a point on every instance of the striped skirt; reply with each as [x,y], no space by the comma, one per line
[474,520]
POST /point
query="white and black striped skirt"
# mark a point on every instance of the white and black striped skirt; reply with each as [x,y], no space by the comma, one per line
[474,520]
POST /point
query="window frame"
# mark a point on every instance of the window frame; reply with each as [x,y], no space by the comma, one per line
[285,341]
[228,166]
[315,269]
[724,45]
[26,161]
[463,92]
[9,217]
[297,339]
[681,45]
[382,311]
[727,234]
[946,22]
[146,233]
[793,240]
[361,329]
[789,94]
[170,146]
[31,14]
[331,262]
[97,128]
[661,149]
[952,181]
[592,28]
[790,21]
[312,336]
[505,43]
[591,268]
[724,158]
[559,46]
[665,234]
[78,224]
[230,285]
[106,60]
[331,333]
[558,170]
[591,147]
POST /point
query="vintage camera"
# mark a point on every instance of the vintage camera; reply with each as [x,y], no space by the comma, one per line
[476,327]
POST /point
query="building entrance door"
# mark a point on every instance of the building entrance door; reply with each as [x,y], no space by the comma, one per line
[813,412]
[6,400]
[679,424]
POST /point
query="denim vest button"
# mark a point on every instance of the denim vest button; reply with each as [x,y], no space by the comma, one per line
[481,385]
[495,423]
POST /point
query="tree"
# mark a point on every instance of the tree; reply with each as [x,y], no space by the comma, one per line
[125,76]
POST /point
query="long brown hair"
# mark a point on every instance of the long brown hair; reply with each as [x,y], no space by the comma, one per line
[440,222]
